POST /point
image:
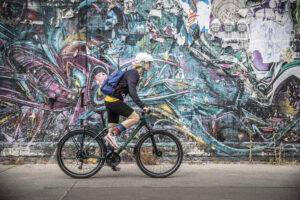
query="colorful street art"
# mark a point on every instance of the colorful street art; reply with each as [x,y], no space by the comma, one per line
[226,73]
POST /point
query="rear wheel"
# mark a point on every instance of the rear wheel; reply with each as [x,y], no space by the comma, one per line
[77,161]
[159,154]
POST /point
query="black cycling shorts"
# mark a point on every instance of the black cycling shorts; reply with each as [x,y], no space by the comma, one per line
[117,108]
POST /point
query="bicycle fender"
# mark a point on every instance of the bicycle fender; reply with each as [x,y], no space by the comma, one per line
[150,132]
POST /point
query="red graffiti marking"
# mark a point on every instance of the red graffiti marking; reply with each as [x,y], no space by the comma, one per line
[192,17]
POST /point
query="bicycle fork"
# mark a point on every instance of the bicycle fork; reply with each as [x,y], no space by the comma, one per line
[155,150]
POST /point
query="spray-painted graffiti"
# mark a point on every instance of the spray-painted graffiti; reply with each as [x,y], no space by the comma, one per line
[226,73]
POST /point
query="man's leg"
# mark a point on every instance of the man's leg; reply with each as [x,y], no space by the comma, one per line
[113,119]
[120,108]
[110,130]
[132,119]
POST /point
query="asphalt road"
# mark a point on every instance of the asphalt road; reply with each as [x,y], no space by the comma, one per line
[208,181]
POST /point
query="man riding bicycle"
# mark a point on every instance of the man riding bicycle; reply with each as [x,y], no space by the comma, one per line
[115,104]
[81,153]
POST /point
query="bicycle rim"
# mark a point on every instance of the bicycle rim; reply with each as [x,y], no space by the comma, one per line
[159,165]
[73,161]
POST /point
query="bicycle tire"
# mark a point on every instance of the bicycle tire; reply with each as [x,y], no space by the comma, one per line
[144,164]
[99,149]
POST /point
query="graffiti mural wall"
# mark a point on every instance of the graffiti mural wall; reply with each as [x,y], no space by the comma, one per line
[225,80]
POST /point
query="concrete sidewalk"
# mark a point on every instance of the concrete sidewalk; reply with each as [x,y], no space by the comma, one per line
[208,181]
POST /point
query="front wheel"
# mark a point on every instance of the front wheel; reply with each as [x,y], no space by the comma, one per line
[159,154]
[80,154]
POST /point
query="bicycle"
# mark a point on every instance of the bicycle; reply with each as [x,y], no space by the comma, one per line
[81,153]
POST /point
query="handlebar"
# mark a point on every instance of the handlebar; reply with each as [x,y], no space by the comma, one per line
[144,119]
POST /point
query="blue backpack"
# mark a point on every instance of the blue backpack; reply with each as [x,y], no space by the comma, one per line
[110,85]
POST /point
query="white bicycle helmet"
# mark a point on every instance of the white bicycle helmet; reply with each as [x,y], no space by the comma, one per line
[143,57]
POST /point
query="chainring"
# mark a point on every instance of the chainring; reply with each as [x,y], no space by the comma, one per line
[113,159]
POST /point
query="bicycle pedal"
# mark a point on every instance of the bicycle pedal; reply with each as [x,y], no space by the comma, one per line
[116,168]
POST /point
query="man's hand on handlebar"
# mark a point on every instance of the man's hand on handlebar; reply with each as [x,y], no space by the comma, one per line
[146,109]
